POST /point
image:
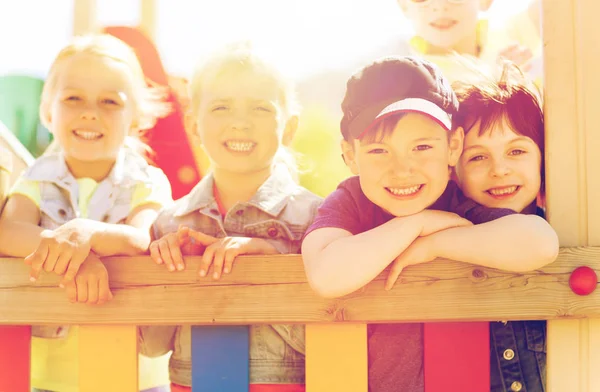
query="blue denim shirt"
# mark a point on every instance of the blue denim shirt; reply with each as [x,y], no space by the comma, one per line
[279,212]
[518,354]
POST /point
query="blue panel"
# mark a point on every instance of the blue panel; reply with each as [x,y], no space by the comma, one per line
[220,360]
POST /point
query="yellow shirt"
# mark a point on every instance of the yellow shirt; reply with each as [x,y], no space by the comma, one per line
[55,362]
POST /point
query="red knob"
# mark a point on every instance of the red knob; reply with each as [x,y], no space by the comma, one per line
[583,281]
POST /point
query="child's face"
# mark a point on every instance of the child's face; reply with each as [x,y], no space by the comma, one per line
[500,169]
[241,121]
[91,111]
[443,23]
[407,171]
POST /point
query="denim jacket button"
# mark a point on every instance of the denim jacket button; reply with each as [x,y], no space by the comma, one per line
[62,212]
[272,232]
[508,354]
[516,386]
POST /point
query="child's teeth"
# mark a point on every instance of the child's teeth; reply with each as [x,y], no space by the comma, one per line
[503,191]
[88,135]
[240,146]
[404,191]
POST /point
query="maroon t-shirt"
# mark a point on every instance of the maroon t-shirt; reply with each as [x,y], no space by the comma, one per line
[395,350]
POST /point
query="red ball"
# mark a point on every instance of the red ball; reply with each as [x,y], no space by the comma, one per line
[583,281]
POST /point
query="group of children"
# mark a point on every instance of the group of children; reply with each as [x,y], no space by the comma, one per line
[437,173]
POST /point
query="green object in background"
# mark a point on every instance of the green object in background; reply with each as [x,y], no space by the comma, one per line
[19,111]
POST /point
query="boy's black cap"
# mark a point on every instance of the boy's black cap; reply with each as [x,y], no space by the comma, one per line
[393,85]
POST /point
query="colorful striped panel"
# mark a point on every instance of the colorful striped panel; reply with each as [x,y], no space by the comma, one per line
[336,358]
[457,357]
[220,358]
[108,358]
[15,354]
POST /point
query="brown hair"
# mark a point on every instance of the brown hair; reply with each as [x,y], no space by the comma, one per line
[511,98]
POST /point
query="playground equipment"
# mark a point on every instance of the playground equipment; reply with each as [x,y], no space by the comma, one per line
[274,289]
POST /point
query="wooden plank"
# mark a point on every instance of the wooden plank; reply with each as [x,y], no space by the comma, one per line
[148,14]
[220,359]
[336,358]
[456,356]
[438,291]
[108,358]
[84,17]
[15,358]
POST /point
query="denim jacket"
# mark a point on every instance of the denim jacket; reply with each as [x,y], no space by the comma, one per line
[110,202]
[279,212]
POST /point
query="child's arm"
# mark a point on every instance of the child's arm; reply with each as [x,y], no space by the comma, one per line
[5,170]
[516,243]
[19,230]
[338,263]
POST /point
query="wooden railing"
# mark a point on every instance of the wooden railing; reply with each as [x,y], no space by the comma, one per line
[275,290]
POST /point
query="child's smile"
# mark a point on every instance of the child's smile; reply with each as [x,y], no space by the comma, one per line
[240,146]
[443,24]
[87,134]
[405,192]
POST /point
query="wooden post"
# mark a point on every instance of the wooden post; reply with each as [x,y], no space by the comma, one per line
[84,16]
[572,60]
[148,18]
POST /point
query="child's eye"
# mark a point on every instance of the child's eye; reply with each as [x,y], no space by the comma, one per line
[108,101]
[423,147]
[263,109]
[517,151]
[476,158]
[219,108]
[377,151]
[72,98]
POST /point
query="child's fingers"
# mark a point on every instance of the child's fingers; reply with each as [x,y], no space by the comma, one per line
[395,271]
[74,265]
[36,260]
[155,253]
[207,259]
[230,256]
[93,293]
[202,238]
[51,258]
[71,290]
[165,254]
[175,253]
[63,261]
[218,261]
[104,294]
[82,290]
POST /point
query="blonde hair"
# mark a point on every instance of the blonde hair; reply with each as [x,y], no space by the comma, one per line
[150,101]
[242,56]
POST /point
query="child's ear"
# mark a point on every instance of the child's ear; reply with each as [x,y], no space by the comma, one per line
[455,146]
[349,156]
[484,5]
[290,131]
[45,117]
[402,4]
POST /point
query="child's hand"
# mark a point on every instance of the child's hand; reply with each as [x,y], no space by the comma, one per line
[169,249]
[221,252]
[420,251]
[62,250]
[434,221]
[90,284]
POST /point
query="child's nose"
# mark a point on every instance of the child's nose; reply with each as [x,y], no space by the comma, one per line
[240,123]
[401,167]
[89,113]
[500,168]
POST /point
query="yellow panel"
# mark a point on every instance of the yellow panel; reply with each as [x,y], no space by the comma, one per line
[336,358]
[108,359]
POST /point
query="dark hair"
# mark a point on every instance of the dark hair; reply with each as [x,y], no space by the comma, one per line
[512,98]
